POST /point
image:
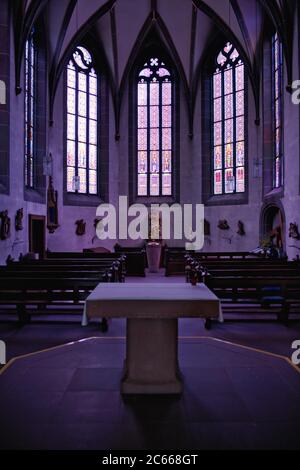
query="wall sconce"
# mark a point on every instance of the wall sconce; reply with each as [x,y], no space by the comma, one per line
[257,168]
[48,165]
[76,183]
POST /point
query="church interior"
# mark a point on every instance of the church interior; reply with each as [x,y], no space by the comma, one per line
[115,333]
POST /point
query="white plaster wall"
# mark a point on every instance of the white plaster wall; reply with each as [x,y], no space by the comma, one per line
[190,177]
[291,200]
[18,241]
[65,238]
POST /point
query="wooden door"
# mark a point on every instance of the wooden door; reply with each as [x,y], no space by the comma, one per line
[37,235]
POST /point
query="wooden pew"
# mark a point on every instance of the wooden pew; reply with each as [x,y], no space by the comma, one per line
[80,255]
[253,295]
[28,294]
[175,260]
[89,264]
[250,288]
[35,288]
[134,261]
[244,267]
[136,256]
[261,273]
[115,269]
[142,249]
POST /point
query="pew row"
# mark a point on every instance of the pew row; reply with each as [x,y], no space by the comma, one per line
[134,260]
[258,295]
[34,288]
[176,260]
[270,286]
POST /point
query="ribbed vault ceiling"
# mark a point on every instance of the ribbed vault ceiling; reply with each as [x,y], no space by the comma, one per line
[119,27]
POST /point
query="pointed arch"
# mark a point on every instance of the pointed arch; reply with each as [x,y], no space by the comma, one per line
[153,26]
[273,223]
[82,107]
[154,117]
[243,26]
[283,21]
[86,118]
[224,121]
[76,39]
[35,111]
[228,33]
[155,82]
[252,52]
[273,110]
[22,30]
[229,93]
[61,36]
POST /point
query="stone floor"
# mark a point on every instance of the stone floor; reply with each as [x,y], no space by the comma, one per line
[240,389]
[68,398]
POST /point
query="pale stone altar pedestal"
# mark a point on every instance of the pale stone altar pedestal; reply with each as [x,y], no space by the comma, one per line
[152,312]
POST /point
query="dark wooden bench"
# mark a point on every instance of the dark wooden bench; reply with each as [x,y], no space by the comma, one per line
[243,268]
[81,255]
[142,249]
[263,271]
[247,287]
[114,270]
[136,256]
[176,260]
[134,261]
[34,287]
[39,295]
[258,295]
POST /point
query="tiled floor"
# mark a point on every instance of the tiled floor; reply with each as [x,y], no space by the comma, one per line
[68,397]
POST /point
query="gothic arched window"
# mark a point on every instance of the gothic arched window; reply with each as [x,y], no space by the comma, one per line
[229,123]
[277,110]
[82,124]
[30,109]
[154,129]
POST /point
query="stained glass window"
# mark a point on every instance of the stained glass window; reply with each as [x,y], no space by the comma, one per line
[82,124]
[277,109]
[228,85]
[154,129]
[30,103]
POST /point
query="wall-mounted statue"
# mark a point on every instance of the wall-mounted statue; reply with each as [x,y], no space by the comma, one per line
[223,225]
[19,220]
[81,225]
[5,225]
[276,237]
[52,210]
[206,228]
[96,222]
[241,229]
[293,231]
[9,259]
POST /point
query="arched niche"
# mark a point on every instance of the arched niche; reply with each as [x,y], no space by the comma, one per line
[272,225]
